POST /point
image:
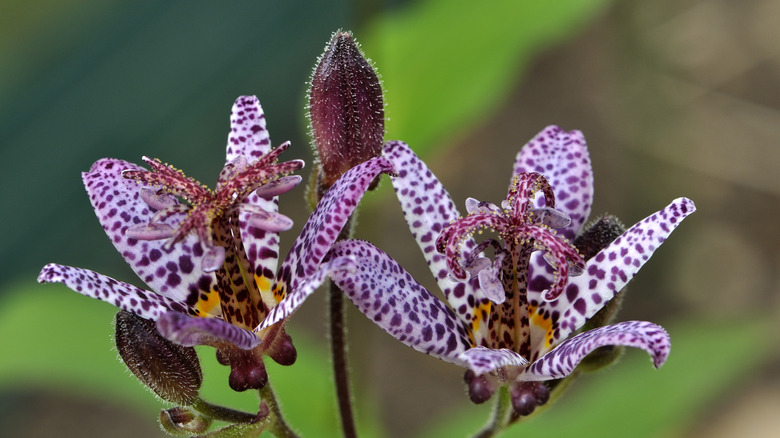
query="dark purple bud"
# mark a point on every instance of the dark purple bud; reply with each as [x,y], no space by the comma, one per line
[481,387]
[527,396]
[170,370]
[282,350]
[247,367]
[180,421]
[346,110]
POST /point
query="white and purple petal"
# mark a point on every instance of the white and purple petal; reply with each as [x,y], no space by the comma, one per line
[326,222]
[484,360]
[125,296]
[605,275]
[296,297]
[428,208]
[249,138]
[562,157]
[175,272]
[562,360]
[389,296]
[190,331]
[248,134]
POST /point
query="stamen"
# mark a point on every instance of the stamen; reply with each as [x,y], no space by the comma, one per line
[574,269]
[150,231]
[475,206]
[231,170]
[278,187]
[266,220]
[156,199]
[490,280]
[213,259]
[550,217]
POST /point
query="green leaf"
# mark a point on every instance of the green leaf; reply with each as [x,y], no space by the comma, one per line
[632,399]
[446,64]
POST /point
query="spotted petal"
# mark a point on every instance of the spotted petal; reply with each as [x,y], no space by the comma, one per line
[484,360]
[143,303]
[605,275]
[325,224]
[249,138]
[562,157]
[428,208]
[175,272]
[296,297]
[190,331]
[389,296]
[561,361]
[248,135]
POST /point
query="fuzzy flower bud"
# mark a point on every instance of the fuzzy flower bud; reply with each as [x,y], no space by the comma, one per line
[346,110]
[170,370]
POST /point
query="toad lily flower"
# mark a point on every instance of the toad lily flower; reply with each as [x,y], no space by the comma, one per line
[513,320]
[164,223]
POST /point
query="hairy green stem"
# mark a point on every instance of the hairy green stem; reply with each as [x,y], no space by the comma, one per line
[338,344]
[499,419]
[276,423]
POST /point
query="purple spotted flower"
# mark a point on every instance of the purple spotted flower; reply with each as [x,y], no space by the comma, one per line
[512,319]
[210,256]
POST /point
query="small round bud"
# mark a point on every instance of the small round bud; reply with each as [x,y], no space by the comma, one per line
[282,350]
[170,370]
[481,387]
[527,396]
[247,368]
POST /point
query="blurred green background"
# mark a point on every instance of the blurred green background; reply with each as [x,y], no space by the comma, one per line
[675,98]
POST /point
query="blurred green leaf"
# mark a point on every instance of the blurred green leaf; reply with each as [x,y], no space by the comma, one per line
[631,399]
[446,64]
[67,344]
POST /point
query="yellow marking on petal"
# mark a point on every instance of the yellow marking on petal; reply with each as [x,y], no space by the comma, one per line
[206,307]
[543,323]
[280,291]
[263,285]
[480,313]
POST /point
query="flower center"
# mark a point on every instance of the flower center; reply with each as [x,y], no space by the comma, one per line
[523,230]
[213,216]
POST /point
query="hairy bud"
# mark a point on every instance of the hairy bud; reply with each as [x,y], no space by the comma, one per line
[170,370]
[346,110]
[598,235]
